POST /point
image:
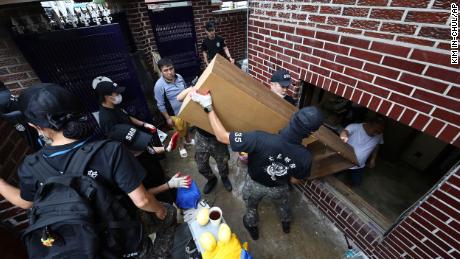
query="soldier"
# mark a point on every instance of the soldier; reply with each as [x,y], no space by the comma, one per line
[274,160]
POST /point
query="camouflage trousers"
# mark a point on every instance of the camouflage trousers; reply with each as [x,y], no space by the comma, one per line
[206,147]
[164,230]
[254,192]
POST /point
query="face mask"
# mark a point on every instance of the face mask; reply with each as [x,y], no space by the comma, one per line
[117,99]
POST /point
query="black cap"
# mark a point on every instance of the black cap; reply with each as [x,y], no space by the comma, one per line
[49,105]
[133,138]
[282,77]
[107,88]
[307,119]
[210,26]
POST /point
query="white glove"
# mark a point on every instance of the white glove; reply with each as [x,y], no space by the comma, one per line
[203,100]
[178,181]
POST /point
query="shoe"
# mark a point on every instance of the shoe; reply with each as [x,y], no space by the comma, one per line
[209,185]
[227,184]
[286,227]
[253,231]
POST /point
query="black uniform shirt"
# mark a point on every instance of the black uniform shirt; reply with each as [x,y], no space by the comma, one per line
[290,100]
[112,166]
[271,159]
[110,117]
[214,46]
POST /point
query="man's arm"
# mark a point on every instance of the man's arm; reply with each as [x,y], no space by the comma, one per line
[159,97]
[13,195]
[373,157]
[147,202]
[220,132]
[227,52]
[205,57]
[159,189]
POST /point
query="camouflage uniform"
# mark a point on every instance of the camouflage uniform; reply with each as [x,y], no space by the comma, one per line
[206,147]
[253,193]
[164,229]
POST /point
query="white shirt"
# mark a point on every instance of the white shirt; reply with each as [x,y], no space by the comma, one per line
[362,143]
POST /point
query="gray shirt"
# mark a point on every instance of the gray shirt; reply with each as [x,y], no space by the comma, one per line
[171,90]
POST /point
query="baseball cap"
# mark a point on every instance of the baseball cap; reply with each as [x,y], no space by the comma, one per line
[282,77]
[129,135]
[103,86]
[49,105]
[307,119]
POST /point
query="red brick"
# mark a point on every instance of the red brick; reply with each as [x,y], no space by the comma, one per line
[384,107]
[13,77]
[344,79]
[293,38]
[332,66]
[379,35]
[449,133]
[327,36]
[427,17]
[366,55]
[435,33]
[396,112]
[359,74]
[313,43]
[398,28]
[310,59]
[325,27]
[285,44]
[320,70]
[410,3]
[336,48]
[423,82]
[443,74]
[416,41]
[447,115]
[347,95]
[349,61]
[305,32]
[364,44]
[382,71]
[333,87]
[442,4]
[434,127]
[277,34]
[286,29]
[437,99]
[317,18]
[310,8]
[390,49]
[297,16]
[365,99]
[454,92]
[420,121]
[445,46]
[375,102]
[432,57]
[365,24]
[387,14]
[343,1]
[338,21]
[403,64]
[303,49]
[352,11]
[330,10]
[434,211]
[348,30]
[412,103]
[324,54]
[408,116]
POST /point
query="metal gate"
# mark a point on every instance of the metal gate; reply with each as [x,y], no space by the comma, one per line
[74,57]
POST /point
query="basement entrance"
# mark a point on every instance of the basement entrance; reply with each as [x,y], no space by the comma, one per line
[408,164]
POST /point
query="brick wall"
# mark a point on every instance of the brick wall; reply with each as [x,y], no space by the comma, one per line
[232,26]
[392,57]
[17,75]
[388,55]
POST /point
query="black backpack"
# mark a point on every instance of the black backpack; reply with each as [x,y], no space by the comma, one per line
[74,216]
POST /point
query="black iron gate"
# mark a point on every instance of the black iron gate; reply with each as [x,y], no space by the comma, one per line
[175,36]
[74,57]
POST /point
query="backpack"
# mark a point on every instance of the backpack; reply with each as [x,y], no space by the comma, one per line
[74,216]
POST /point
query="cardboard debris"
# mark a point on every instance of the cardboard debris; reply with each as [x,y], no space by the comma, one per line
[244,104]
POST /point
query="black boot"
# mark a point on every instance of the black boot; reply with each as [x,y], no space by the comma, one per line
[253,231]
[209,185]
[227,184]
[286,227]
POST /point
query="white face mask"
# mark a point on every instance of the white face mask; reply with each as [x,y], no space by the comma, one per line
[117,99]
